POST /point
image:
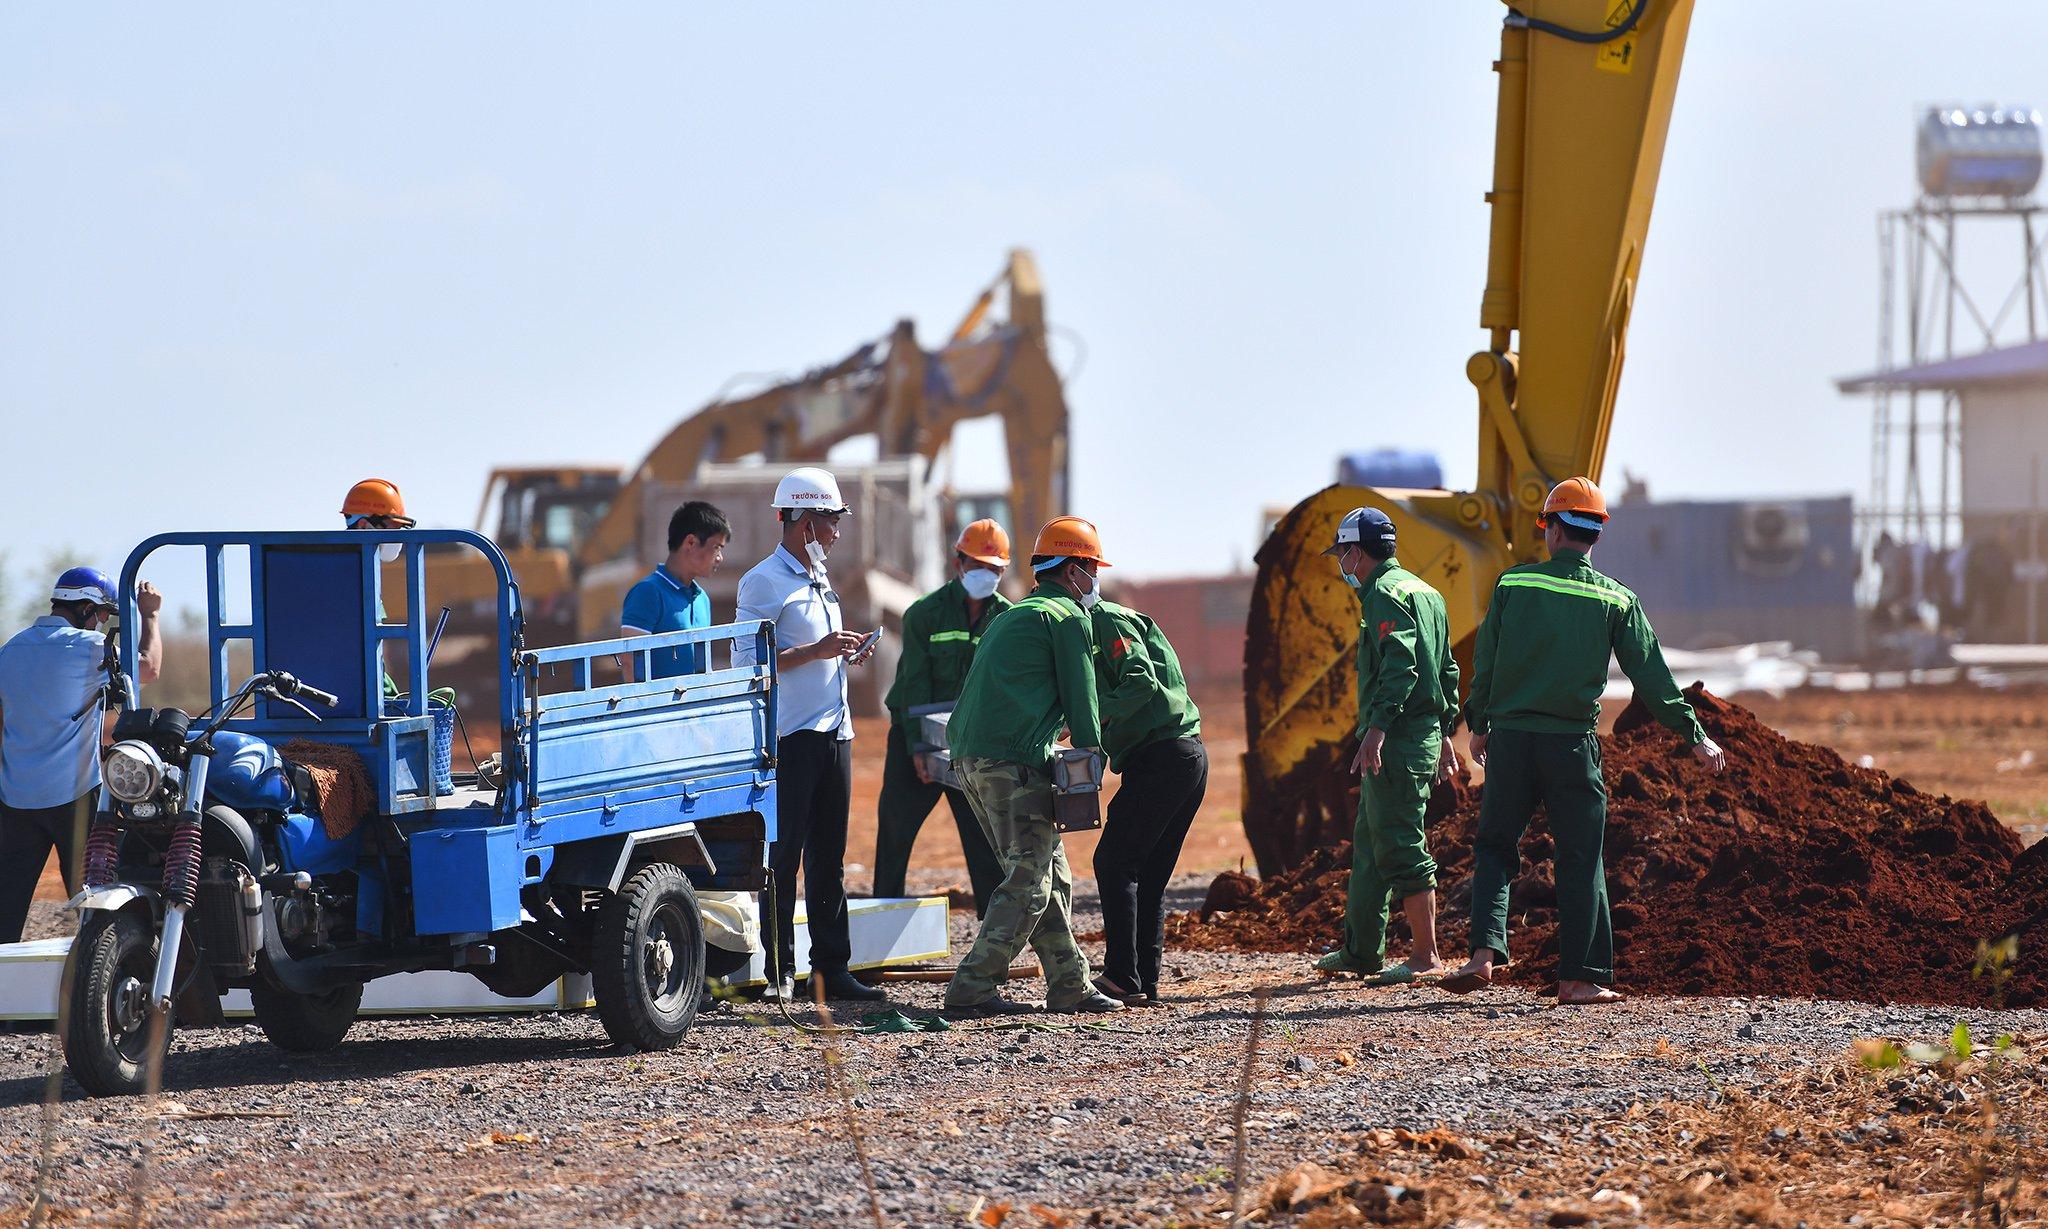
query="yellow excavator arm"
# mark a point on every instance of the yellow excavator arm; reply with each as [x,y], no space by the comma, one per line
[908,398]
[1585,97]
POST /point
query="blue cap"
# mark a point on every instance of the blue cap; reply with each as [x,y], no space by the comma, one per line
[1579,520]
[84,585]
[1361,525]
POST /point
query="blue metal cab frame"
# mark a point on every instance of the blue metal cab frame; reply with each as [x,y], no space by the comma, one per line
[596,777]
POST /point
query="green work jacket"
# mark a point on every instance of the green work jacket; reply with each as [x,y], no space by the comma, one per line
[1407,678]
[1144,696]
[1033,673]
[938,645]
[1540,662]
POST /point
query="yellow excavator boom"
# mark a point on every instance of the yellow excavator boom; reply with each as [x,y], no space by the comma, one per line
[1585,95]
[894,393]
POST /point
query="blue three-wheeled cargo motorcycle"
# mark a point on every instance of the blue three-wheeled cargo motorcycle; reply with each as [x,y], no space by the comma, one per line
[304,835]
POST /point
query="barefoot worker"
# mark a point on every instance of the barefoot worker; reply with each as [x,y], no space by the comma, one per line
[1407,704]
[1537,673]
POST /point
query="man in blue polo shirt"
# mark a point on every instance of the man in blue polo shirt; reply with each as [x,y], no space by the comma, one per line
[50,710]
[670,598]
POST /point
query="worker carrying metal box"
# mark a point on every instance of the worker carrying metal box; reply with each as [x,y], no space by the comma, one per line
[1033,674]
[941,632]
[1153,734]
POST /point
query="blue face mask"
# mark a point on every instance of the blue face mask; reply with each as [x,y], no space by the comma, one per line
[1345,572]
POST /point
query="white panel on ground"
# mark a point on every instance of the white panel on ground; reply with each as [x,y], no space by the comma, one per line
[886,932]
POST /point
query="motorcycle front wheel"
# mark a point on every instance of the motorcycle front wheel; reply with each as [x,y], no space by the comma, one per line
[108,1031]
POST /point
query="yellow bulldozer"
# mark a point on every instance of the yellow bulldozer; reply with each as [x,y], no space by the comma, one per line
[1585,96]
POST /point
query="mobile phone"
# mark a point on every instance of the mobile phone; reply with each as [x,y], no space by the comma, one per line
[867,642]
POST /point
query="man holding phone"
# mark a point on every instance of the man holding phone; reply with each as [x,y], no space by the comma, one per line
[814,726]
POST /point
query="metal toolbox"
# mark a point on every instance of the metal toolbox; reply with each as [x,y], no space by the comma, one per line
[1076,789]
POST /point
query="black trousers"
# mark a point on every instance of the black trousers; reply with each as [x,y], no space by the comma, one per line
[1148,820]
[905,804]
[27,835]
[813,792]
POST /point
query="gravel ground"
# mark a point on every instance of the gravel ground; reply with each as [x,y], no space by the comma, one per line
[536,1120]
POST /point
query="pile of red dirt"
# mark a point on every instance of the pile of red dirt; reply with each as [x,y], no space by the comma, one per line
[1793,873]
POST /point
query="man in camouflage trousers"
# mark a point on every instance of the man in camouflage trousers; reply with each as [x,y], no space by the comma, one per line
[1033,674]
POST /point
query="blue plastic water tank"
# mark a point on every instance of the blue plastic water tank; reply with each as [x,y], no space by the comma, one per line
[1391,467]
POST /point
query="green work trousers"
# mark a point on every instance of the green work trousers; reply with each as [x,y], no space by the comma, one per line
[1389,851]
[1562,772]
[1034,902]
[905,804]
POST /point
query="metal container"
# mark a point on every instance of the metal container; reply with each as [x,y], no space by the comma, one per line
[1987,151]
[931,726]
[1076,789]
[939,766]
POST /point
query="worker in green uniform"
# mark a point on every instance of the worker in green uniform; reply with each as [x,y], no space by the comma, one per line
[1152,732]
[941,631]
[1538,669]
[1407,707]
[1033,675]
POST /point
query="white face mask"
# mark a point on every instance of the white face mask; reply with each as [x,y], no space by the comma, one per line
[980,583]
[1092,594]
[389,551]
[815,549]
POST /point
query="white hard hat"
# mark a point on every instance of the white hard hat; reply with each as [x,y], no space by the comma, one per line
[810,488]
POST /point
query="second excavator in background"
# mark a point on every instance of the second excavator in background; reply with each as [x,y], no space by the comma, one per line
[1585,96]
[578,536]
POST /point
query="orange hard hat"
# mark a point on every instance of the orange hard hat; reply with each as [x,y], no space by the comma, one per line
[985,542]
[1576,502]
[1073,537]
[377,497]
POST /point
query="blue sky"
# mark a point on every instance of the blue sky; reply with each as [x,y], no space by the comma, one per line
[250,253]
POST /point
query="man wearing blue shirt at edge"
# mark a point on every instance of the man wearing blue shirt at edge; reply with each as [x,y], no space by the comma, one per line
[51,707]
[670,598]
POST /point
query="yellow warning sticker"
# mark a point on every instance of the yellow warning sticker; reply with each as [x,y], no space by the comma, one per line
[1618,56]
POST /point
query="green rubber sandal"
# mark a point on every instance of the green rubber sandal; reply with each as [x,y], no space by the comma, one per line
[1401,975]
[1340,961]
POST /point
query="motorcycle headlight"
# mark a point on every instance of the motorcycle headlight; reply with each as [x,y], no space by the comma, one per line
[133,771]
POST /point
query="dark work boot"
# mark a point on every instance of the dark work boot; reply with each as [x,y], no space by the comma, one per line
[1097,1003]
[996,1005]
[843,985]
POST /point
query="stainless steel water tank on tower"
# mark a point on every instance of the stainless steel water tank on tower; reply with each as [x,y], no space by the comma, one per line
[1980,151]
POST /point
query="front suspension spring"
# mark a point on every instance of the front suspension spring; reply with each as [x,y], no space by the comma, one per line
[102,855]
[181,865]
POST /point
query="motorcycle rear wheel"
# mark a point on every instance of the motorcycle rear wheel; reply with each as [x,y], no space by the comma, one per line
[305,1023]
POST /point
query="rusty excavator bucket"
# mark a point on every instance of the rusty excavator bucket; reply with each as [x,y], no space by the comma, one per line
[1585,97]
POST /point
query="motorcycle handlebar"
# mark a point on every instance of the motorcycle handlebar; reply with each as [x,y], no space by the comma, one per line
[289,686]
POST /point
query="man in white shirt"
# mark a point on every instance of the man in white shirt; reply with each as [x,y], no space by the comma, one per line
[814,766]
